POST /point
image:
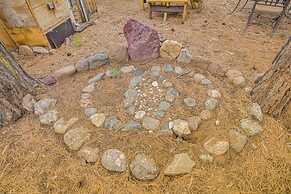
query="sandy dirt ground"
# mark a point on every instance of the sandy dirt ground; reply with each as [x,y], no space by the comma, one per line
[33,159]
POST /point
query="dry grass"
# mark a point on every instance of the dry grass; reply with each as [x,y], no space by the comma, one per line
[33,159]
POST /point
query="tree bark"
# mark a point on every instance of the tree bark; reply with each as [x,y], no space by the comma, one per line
[15,83]
[272,91]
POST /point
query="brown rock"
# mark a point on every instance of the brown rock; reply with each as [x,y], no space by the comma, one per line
[216,146]
[118,53]
[144,48]
[25,50]
[170,49]
[89,154]
[64,72]
[237,140]
[216,70]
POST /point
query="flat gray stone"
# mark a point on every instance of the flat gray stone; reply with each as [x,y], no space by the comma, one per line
[97,78]
[179,71]
[206,158]
[181,128]
[61,126]
[86,102]
[134,82]
[139,114]
[144,168]
[112,123]
[130,110]
[114,160]
[132,126]
[75,138]
[165,128]
[40,50]
[190,102]
[256,111]
[109,73]
[137,72]
[127,69]
[28,102]
[89,89]
[250,127]
[49,118]
[130,93]
[173,92]
[44,105]
[90,111]
[159,114]
[181,164]
[156,69]
[168,68]
[194,122]
[86,96]
[206,82]
[170,98]
[237,140]
[185,57]
[98,60]
[216,146]
[164,106]
[64,72]
[82,65]
[214,93]
[128,101]
[211,104]
[198,77]
[89,154]
[150,123]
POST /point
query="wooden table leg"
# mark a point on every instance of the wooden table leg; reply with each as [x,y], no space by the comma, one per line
[192,4]
[151,13]
[184,12]
[142,4]
[166,14]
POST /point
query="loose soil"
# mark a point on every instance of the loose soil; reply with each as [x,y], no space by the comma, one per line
[34,158]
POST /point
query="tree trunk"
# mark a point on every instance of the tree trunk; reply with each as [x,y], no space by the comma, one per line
[15,83]
[272,91]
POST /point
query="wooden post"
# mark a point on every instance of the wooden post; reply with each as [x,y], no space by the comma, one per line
[184,12]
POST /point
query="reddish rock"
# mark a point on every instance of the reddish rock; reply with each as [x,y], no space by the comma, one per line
[216,70]
[48,80]
[143,41]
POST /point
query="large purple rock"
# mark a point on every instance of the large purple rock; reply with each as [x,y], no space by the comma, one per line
[143,41]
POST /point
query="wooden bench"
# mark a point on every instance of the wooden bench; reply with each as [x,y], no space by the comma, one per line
[166,7]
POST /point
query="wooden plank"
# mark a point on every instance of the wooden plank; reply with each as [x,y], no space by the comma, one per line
[46,17]
[167,1]
[29,36]
[6,38]
[170,9]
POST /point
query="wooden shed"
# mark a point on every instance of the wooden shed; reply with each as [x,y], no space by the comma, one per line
[44,23]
